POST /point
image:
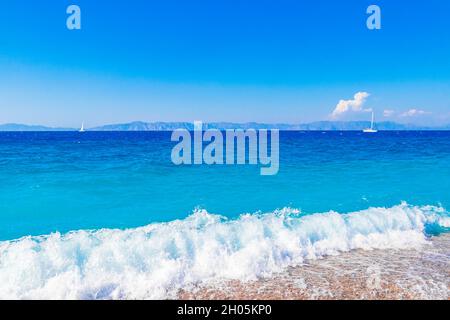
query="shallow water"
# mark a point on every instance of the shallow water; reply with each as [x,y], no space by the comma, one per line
[419,273]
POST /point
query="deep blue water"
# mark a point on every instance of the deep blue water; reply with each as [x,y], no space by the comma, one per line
[64,181]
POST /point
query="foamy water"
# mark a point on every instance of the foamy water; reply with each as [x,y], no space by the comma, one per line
[156,261]
[415,273]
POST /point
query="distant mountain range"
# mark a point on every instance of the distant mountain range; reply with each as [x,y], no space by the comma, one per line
[25,127]
[169,126]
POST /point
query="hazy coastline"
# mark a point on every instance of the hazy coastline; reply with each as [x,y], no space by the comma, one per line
[169,126]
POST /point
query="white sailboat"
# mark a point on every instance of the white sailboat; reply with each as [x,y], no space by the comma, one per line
[371,129]
[82,128]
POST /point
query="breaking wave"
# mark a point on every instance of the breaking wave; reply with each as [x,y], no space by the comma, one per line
[155,261]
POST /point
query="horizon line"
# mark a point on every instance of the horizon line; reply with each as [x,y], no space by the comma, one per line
[388,126]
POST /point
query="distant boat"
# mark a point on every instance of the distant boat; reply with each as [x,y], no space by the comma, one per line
[82,128]
[371,130]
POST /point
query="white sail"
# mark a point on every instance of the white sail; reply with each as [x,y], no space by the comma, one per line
[371,130]
[82,127]
[371,123]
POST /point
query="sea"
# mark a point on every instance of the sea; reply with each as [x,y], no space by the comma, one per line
[107,215]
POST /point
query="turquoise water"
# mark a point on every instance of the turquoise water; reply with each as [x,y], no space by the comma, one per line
[108,216]
[68,181]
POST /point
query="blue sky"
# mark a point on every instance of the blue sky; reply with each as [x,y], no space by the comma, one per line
[223,60]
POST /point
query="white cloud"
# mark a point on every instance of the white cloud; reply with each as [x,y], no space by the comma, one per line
[388,113]
[355,104]
[414,113]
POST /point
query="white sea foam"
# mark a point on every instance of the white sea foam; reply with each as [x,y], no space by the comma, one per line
[157,260]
